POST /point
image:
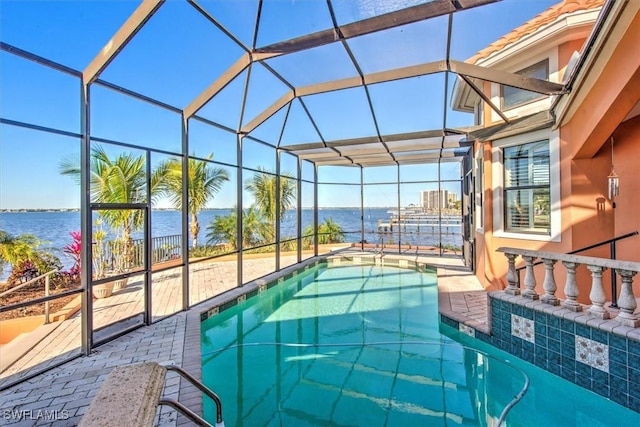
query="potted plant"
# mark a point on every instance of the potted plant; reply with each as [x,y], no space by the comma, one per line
[120,262]
[99,261]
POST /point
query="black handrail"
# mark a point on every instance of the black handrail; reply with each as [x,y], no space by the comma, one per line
[612,252]
[604,242]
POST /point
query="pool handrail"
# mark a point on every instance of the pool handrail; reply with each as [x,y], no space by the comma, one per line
[200,386]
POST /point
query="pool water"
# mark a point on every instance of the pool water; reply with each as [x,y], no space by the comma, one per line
[362,346]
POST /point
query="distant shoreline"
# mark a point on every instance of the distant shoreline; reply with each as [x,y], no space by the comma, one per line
[40,210]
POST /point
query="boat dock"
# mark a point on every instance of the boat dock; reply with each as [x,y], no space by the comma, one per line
[421,222]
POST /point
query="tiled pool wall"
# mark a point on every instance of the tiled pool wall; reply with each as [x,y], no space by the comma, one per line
[592,353]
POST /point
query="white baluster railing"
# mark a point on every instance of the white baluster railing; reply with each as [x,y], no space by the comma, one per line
[625,269]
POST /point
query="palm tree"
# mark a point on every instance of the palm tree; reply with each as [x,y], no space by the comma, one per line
[263,188]
[204,181]
[119,180]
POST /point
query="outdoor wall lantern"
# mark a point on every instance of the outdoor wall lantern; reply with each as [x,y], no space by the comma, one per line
[614,181]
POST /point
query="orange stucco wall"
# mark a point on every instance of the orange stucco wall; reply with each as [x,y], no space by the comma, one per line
[565,50]
[627,165]
[612,97]
[585,161]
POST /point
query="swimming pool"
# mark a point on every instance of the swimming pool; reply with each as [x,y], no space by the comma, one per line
[362,345]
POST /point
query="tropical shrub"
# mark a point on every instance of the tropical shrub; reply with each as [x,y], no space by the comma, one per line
[223,229]
[26,257]
[329,231]
[73,249]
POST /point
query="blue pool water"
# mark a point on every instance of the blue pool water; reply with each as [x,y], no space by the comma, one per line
[362,346]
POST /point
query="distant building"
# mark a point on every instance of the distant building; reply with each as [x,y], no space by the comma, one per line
[434,199]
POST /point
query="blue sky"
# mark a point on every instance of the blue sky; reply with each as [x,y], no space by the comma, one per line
[179,53]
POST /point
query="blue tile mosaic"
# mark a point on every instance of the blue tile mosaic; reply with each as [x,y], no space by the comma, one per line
[602,391]
[600,336]
[600,377]
[568,374]
[618,356]
[634,375]
[569,363]
[554,345]
[568,349]
[554,322]
[540,318]
[618,342]
[540,328]
[583,381]
[567,325]
[567,337]
[618,384]
[541,339]
[555,368]
[582,330]
[634,390]
[618,369]
[554,349]
[583,369]
[541,363]
[619,397]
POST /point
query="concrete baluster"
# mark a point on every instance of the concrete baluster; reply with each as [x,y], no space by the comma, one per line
[512,278]
[571,287]
[529,278]
[626,301]
[597,293]
[549,283]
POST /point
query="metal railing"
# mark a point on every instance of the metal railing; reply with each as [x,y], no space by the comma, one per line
[612,252]
[164,248]
[47,290]
[596,266]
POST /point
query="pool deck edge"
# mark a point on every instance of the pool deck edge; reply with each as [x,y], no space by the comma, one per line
[462,298]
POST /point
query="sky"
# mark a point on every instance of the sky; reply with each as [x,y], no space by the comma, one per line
[179,53]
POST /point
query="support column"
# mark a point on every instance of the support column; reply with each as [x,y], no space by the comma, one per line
[596,295]
[571,287]
[512,278]
[627,302]
[549,283]
[529,279]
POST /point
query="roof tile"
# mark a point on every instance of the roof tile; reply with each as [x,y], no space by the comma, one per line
[546,17]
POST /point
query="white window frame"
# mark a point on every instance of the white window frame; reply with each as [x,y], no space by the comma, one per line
[503,107]
[534,106]
[497,173]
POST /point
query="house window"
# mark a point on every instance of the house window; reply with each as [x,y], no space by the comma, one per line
[527,201]
[513,97]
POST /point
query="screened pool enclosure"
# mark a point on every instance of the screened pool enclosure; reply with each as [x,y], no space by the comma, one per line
[195,146]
